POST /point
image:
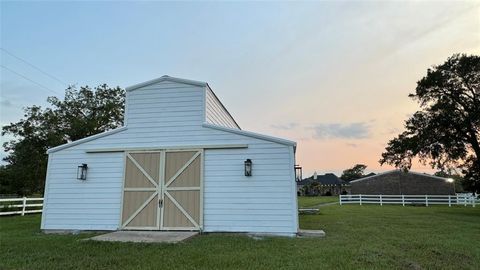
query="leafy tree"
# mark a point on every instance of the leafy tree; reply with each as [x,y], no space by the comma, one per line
[353,173]
[305,190]
[83,112]
[459,181]
[315,188]
[446,131]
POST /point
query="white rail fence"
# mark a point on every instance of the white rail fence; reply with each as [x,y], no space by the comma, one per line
[20,206]
[465,200]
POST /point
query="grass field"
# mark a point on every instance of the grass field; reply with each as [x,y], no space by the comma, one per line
[358,237]
[307,202]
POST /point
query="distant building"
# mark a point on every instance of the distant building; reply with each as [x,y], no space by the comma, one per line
[327,184]
[398,182]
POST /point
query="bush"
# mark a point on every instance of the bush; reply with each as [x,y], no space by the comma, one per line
[7,206]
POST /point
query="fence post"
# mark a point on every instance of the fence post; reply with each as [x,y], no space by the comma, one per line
[473,201]
[449,201]
[465,200]
[24,205]
[403,200]
[360,199]
[381,202]
[426,200]
[340,199]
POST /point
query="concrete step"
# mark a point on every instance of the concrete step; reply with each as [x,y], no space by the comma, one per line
[145,236]
[308,211]
[311,233]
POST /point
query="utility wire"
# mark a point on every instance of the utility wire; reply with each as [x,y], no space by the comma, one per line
[35,67]
[28,79]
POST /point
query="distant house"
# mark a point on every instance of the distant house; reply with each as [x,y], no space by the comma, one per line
[398,182]
[327,184]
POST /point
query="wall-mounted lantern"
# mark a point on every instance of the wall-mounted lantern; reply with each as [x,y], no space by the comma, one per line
[82,172]
[248,167]
[298,173]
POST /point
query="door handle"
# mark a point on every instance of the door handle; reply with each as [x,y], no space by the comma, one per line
[160,203]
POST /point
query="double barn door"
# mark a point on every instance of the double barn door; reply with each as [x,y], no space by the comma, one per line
[162,190]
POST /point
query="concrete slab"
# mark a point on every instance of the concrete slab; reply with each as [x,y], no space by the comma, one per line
[308,211]
[311,233]
[145,236]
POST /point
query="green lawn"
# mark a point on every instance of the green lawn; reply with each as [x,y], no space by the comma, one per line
[313,201]
[358,237]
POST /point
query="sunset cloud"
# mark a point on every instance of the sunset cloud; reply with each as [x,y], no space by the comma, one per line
[288,126]
[357,130]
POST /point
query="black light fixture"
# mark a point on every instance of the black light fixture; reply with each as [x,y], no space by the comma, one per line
[82,172]
[298,173]
[248,167]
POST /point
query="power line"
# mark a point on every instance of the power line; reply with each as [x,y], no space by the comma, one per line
[35,67]
[28,79]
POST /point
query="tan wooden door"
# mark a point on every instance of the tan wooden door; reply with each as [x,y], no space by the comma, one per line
[162,190]
[182,191]
[141,191]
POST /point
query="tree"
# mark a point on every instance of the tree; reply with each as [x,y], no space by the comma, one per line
[81,113]
[353,173]
[315,188]
[446,131]
[458,180]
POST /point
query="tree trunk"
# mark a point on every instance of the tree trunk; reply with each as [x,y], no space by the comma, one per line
[475,144]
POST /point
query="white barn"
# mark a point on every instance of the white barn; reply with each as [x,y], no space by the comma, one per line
[176,164]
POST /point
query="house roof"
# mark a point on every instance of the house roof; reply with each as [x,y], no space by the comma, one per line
[396,171]
[325,179]
[305,181]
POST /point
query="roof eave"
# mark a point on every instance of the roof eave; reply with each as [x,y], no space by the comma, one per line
[252,134]
[86,139]
[166,78]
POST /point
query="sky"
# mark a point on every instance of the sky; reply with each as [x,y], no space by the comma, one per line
[332,76]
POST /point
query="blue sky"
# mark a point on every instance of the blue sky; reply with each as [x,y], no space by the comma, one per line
[334,76]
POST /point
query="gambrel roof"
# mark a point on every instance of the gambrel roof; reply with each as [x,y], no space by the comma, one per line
[205,124]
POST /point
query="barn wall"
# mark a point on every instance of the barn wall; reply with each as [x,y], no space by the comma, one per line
[402,183]
[73,204]
[216,113]
[265,202]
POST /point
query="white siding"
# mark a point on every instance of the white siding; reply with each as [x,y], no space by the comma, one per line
[264,202]
[215,112]
[93,204]
[165,104]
